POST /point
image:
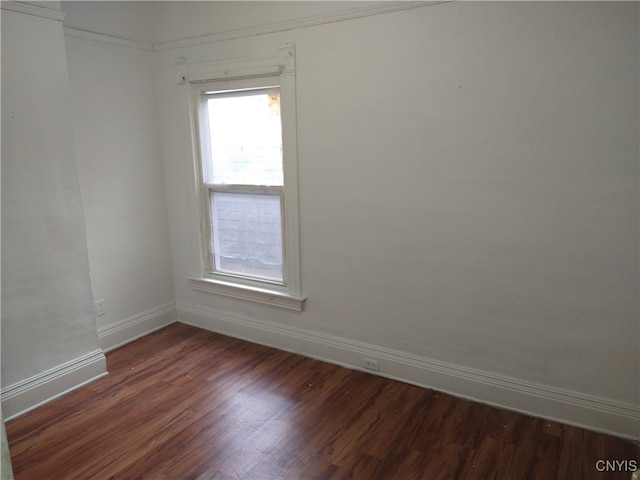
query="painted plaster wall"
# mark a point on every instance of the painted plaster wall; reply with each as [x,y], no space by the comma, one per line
[47,306]
[469,186]
[120,169]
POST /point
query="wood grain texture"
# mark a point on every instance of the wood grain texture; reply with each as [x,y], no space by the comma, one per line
[185,403]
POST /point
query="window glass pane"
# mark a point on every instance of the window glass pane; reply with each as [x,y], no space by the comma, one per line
[246,138]
[247,234]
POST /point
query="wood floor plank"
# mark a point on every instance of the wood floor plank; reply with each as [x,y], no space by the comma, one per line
[359,465]
[185,403]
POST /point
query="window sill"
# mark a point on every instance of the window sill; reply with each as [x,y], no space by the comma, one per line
[245,292]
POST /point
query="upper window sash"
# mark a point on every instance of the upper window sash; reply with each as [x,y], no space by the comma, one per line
[241,136]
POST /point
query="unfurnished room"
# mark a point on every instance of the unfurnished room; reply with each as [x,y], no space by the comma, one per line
[320,240]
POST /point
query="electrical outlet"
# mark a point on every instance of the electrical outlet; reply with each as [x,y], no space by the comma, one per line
[371,365]
[100,308]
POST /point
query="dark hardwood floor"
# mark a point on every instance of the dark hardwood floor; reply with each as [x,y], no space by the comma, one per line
[185,403]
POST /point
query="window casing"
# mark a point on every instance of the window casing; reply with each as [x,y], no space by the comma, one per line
[249,221]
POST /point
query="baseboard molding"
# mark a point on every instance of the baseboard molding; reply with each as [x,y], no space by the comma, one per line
[125,331]
[32,392]
[572,408]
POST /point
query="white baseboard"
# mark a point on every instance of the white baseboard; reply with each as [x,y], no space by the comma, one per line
[573,408]
[125,331]
[28,394]
[32,392]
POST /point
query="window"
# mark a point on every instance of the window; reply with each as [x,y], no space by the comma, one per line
[245,153]
[241,154]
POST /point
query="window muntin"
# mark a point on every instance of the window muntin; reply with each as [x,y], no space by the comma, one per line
[242,164]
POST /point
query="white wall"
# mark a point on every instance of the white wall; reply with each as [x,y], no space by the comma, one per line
[48,327]
[120,168]
[469,200]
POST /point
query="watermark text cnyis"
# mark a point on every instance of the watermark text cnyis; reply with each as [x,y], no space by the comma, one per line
[628,465]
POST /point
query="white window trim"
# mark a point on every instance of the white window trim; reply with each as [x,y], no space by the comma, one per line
[282,65]
[247,292]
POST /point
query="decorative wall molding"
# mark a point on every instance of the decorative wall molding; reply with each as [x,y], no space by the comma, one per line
[310,21]
[104,38]
[136,326]
[304,22]
[35,10]
[32,392]
[582,410]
